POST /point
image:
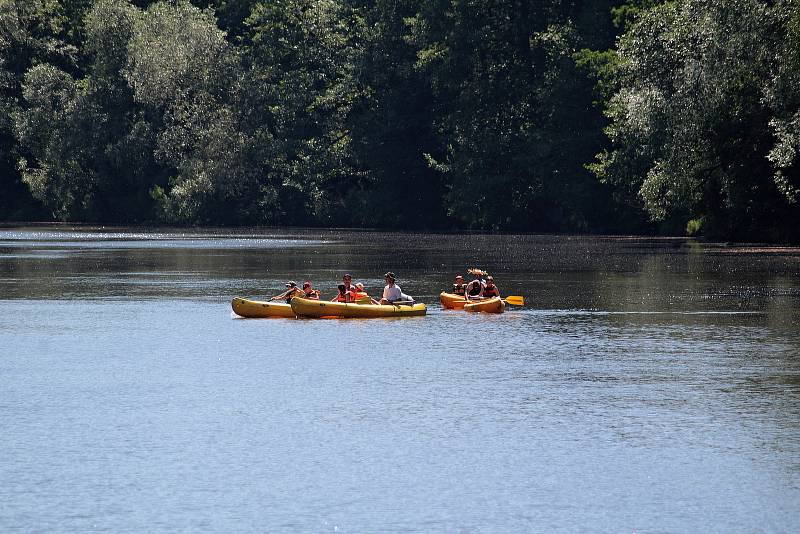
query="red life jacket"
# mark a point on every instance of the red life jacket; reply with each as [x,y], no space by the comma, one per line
[490,292]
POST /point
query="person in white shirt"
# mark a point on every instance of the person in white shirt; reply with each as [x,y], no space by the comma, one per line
[392,291]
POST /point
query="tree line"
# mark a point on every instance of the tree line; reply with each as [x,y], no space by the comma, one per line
[637,116]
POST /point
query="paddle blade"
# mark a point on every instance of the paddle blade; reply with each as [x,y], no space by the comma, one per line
[516,300]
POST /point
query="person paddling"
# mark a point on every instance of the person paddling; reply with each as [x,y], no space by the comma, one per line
[291,291]
[392,292]
[490,290]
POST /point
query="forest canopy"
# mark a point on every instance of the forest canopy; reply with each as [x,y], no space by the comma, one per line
[642,116]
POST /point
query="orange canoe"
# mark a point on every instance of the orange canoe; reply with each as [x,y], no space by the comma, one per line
[493,305]
[451,301]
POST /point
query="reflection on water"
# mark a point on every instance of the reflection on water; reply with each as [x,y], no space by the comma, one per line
[155,239]
[591,273]
[648,385]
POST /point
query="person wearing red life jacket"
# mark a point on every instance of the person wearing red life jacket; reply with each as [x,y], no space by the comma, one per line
[343,295]
[361,296]
[490,290]
[309,292]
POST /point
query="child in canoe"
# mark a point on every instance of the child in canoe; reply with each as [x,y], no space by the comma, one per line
[344,295]
[361,296]
[309,292]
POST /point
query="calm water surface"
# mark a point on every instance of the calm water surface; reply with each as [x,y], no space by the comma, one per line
[649,385]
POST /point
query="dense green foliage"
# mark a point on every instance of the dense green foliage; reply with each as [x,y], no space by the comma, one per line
[405,113]
[703,102]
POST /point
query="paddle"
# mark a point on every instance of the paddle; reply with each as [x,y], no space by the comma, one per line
[515,300]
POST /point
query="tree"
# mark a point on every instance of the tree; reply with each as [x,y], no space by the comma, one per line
[393,128]
[783,96]
[510,112]
[90,151]
[690,121]
[31,31]
[300,90]
[185,75]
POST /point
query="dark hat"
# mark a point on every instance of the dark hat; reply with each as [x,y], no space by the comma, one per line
[347,275]
[390,274]
[291,284]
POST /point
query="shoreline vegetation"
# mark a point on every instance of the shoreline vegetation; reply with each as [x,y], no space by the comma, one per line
[637,117]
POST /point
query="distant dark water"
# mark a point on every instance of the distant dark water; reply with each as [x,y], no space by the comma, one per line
[648,385]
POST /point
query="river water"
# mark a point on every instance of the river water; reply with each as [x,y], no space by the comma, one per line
[648,385]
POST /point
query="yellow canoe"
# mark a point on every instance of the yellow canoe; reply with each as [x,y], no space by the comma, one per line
[493,305]
[257,308]
[320,308]
[451,301]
